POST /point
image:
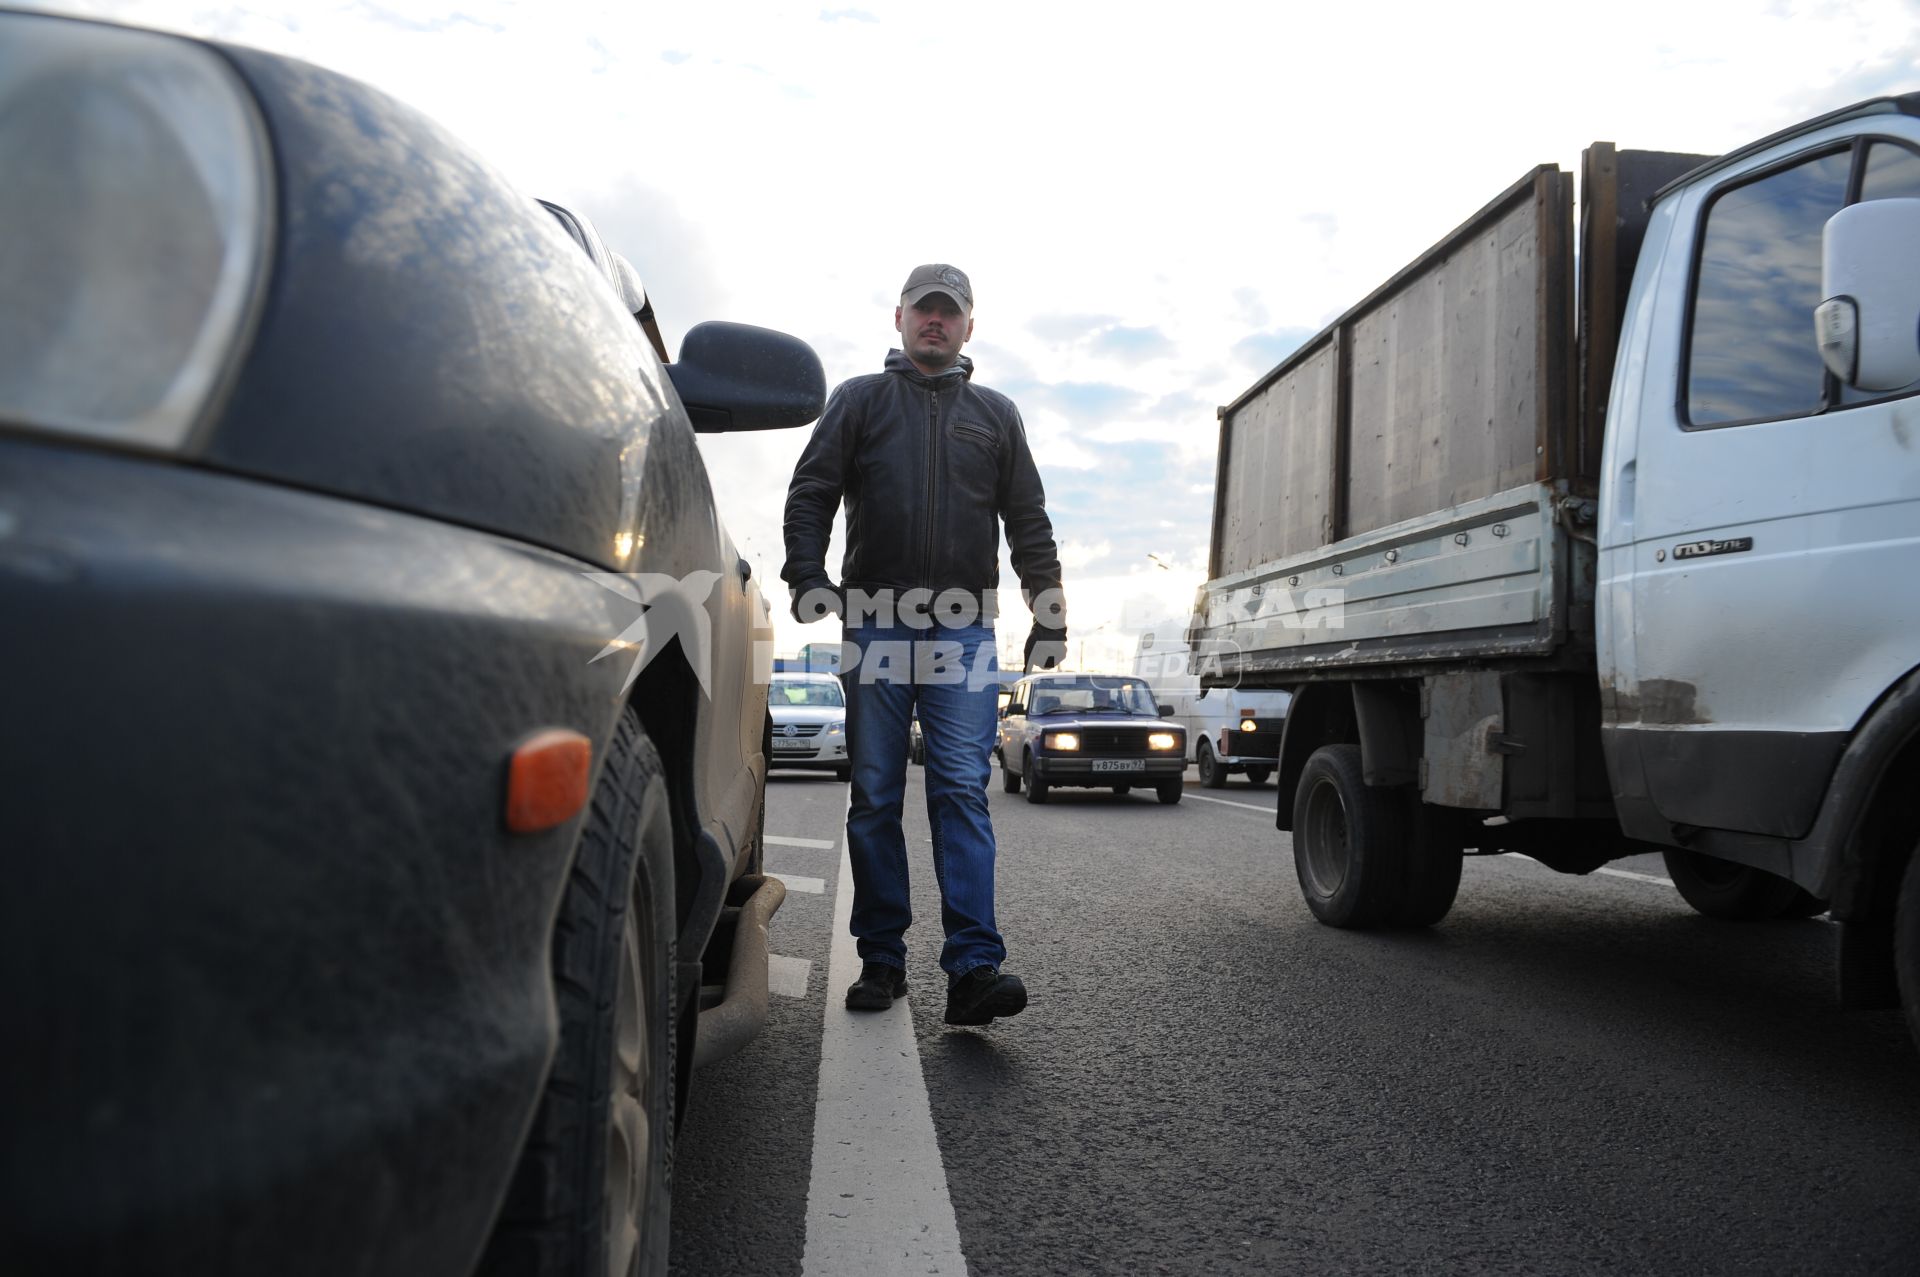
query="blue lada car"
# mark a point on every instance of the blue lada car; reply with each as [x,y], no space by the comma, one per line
[1095,731]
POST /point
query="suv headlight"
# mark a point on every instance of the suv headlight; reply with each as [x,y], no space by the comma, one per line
[135,219]
[836,729]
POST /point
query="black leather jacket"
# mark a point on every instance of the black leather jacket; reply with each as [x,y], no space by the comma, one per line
[928,467]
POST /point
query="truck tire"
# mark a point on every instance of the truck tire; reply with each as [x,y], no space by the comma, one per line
[1036,788]
[1906,943]
[593,1190]
[1348,841]
[1257,776]
[1722,889]
[1213,774]
[1433,866]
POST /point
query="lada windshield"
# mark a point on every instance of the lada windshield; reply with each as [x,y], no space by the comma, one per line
[1093,694]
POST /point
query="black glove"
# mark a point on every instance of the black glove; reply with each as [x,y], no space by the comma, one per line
[1046,647]
[816,600]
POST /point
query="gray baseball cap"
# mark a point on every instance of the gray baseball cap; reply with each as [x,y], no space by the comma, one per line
[938,277]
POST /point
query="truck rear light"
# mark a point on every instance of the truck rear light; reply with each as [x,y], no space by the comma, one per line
[134,224]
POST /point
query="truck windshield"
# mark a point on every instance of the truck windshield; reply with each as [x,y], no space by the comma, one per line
[1094,694]
[791,693]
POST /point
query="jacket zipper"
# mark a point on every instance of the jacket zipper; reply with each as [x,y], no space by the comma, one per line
[933,444]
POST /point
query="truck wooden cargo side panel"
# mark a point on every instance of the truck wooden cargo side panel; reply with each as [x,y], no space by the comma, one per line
[1460,373]
[1449,385]
[1286,430]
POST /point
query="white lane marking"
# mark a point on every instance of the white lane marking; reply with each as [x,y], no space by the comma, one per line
[878,1202]
[1229,803]
[1628,873]
[812,886]
[818,844]
[788,976]
[1611,873]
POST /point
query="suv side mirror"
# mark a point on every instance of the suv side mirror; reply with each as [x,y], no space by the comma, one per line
[738,377]
[1869,325]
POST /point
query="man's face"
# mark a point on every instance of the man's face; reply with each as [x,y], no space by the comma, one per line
[933,329]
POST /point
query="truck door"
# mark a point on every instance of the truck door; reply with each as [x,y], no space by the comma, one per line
[1762,524]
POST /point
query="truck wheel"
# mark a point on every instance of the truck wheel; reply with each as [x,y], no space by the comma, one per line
[1213,775]
[1906,943]
[593,1190]
[1036,788]
[1722,889]
[1433,866]
[1347,841]
[1258,775]
[1169,791]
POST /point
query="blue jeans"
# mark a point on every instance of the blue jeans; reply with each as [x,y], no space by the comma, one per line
[901,669]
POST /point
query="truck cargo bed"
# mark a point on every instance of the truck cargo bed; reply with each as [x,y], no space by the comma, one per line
[1410,484]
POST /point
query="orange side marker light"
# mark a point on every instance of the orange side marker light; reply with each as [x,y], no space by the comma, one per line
[547,780]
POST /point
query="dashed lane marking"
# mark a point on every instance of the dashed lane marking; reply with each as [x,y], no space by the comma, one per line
[788,976]
[812,886]
[818,844]
[1611,873]
[1227,802]
[1628,873]
[877,1204]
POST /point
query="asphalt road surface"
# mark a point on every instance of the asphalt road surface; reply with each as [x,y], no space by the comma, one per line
[1568,1075]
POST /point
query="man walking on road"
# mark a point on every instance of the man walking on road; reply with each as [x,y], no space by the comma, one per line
[929,466]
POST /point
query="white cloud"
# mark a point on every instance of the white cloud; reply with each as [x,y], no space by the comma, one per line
[1078,554]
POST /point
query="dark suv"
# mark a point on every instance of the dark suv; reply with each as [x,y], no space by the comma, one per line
[1096,731]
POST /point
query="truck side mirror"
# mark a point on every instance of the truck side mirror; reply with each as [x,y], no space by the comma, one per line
[738,377]
[1868,327]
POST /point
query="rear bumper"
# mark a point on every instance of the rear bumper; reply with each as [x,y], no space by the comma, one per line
[280,978]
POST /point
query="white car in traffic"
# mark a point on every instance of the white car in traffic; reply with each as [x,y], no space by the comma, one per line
[809,713]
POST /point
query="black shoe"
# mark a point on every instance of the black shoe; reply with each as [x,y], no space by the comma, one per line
[982,994]
[879,984]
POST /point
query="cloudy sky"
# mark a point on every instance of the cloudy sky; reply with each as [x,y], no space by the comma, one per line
[1156,202]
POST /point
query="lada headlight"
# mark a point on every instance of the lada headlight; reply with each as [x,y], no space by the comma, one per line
[1162,740]
[135,219]
[1063,740]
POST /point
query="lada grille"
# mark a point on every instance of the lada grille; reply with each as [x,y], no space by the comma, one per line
[1114,740]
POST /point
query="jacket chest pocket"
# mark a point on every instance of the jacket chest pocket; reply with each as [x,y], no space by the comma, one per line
[975,433]
[973,460]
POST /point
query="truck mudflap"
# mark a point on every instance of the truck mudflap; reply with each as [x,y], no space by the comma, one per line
[733,1008]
